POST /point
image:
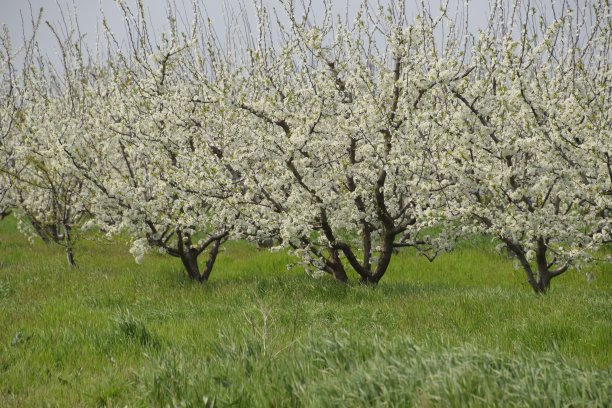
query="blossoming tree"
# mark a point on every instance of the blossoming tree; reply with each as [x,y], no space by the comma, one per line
[334,138]
[7,116]
[150,169]
[530,136]
[37,111]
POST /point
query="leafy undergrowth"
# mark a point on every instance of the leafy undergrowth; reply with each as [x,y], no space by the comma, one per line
[464,330]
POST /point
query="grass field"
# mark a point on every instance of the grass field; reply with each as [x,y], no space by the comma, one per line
[465,330]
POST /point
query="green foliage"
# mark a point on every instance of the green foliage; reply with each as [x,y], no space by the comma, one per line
[464,330]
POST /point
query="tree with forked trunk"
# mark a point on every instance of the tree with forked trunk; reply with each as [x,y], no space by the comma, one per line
[148,169]
[529,131]
[332,134]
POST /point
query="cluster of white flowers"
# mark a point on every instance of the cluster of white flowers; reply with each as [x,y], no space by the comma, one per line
[343,141]
[537,163]
[7,116]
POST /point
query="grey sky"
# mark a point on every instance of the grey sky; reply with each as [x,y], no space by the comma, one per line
[89,13]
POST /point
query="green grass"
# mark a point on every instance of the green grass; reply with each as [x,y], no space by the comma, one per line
[464,330]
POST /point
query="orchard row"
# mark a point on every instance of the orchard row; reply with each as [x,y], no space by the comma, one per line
[340,140]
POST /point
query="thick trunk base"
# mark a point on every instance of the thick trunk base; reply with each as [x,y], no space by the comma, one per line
[190,262]
[340,275]
[541,286]
[368,281]
[189,258]
[337,270]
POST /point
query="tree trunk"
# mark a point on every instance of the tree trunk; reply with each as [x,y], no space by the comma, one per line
[368,280]
[210,262]
[544,276]
[190,262]
[40,230]
[536,282]
[383,261]
[336,268]
[70,257]
[543,284]
[340,274]
[189,256]
[266,243]
[69,247]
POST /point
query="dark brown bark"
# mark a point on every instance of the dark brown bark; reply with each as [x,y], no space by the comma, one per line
[368,280]
[40,229]
[189,256]
[266,243]
[210,262]
[69,246]
[543,275]
[336,268]
[371,278]
[189,253]
[70,257]
[190,262]
[540,280]
[385,257]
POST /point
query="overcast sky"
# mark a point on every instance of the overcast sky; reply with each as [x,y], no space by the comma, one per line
[89,14]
